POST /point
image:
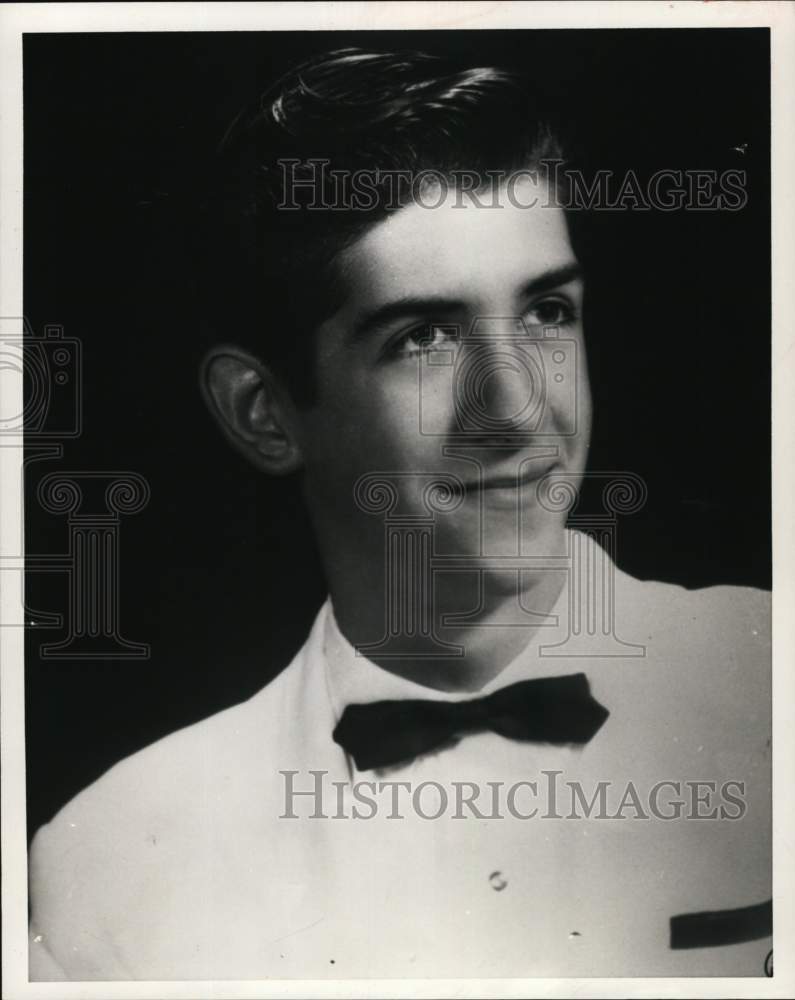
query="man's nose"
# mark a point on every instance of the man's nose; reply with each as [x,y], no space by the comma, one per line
[503,388]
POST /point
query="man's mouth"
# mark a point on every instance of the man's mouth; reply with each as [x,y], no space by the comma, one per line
[526,474]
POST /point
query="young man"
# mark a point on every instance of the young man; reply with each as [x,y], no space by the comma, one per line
[559,770]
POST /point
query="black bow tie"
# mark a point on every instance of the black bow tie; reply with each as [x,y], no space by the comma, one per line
[545,710]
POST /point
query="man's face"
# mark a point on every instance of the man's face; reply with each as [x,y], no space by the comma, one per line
[405,391]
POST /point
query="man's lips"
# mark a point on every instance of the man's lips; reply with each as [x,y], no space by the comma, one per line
[528,472]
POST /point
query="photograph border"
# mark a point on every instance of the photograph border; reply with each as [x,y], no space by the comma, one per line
[18,19]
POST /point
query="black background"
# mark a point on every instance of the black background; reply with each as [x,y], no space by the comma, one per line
[218,573]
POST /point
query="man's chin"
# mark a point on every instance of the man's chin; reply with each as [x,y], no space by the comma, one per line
[501,546]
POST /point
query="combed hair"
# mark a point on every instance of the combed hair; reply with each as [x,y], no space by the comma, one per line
[354,110]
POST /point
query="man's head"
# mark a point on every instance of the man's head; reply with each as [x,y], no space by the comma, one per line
[335,146]
[391,208]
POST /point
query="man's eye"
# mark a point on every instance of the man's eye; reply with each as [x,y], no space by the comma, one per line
[552,312]
[419,339]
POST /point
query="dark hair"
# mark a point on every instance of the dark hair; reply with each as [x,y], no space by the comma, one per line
[338,113]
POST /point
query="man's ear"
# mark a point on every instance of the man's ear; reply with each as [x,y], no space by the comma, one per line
[252,408]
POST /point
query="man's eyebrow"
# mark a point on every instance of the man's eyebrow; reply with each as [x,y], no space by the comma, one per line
[428,305]
[553,278]
[401,308]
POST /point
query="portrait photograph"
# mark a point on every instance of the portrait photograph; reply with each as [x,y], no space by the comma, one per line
[392,411]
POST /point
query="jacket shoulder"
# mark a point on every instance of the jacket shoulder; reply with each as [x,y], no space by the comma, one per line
[718,614]
[113,851]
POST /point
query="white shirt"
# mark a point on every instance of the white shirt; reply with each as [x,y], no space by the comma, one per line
[181,862]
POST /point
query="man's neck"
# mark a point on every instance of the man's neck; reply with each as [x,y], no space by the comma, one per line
[478,650]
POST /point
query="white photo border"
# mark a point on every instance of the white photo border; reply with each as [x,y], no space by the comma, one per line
[19,18]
